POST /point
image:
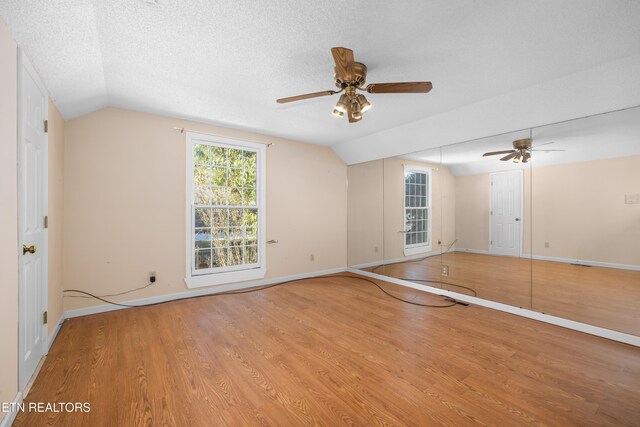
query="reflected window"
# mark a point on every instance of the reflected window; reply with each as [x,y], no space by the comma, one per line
[417,209]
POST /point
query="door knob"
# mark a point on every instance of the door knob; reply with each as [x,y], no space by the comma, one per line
[517,219]
[31,249]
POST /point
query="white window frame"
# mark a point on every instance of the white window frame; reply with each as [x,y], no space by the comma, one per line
[417,248]
[230,274]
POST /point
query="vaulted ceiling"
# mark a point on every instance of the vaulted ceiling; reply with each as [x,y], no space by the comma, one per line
[226,62]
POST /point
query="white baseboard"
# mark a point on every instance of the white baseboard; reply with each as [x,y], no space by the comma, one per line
[584,262]
[198,292]
[54,334]
[396,260]
[8,418]
[471,251]
[563,260]
[559,321]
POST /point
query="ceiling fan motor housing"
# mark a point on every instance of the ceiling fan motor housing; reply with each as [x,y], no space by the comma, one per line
[522,144]
[360,76]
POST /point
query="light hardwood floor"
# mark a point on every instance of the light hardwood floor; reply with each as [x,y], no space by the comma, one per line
[605,297]
[335,351]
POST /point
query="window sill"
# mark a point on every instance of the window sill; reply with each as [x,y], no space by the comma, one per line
[417,250]
[224,278]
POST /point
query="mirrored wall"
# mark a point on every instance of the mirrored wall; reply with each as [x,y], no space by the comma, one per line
[546,219]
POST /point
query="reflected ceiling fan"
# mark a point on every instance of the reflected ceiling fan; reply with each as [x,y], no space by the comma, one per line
[521,151]
[350,76]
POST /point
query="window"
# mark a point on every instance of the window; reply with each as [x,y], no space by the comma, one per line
[417,210]
[225,210]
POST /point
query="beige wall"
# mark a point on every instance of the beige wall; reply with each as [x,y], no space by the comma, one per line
[56,205]
[472,213]
[365,200]
[124,211]
[578,208]
[8,218]
[442,206]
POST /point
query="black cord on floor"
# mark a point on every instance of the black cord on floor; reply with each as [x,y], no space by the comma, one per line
[473,291]
[451,301]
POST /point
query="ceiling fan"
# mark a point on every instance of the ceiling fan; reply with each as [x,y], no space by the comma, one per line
[350,76]
[521,151]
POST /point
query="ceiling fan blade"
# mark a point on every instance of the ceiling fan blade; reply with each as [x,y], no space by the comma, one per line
[494,153]
[305,96]
[540,145]
[405,87]
[548,150]
[510,156]
[343,58]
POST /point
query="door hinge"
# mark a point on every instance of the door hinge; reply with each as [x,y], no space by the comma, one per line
[46,221]
[491,242]
[490,212]
[46,126]
[44,318]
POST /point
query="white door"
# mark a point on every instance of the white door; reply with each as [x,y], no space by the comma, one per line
[32,206]
[506,213]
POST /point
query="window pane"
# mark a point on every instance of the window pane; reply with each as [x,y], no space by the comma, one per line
[220,196]
[235,217]
[202,175]
[249,197]
[203,259]
[219,177]
[250,218]
[220,237]
[201,154]
[202,217]
[236,255]
[220,217]
[202,195]
[235,158]
[251,254]
[235,177]
[249,179]
[249,160]
[220,257]
[251,236]
[236,236]
[219,156]
[235,197]
[202,238]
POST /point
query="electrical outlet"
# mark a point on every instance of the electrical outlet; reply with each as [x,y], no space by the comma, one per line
[546,244]
[631,199]
[152,277]
[312,257]
[445,270]
[375,249]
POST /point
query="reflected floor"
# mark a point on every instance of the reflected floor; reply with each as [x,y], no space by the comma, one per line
[606,297]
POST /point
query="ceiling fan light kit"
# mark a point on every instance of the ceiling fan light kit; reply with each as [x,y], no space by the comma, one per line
[350,76]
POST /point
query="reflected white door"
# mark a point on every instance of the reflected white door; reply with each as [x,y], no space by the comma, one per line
[32,234]
[506,213]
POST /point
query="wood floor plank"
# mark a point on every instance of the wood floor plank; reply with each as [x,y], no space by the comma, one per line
[335,351]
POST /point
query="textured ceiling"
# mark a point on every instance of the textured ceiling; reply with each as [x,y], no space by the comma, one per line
[225,62]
